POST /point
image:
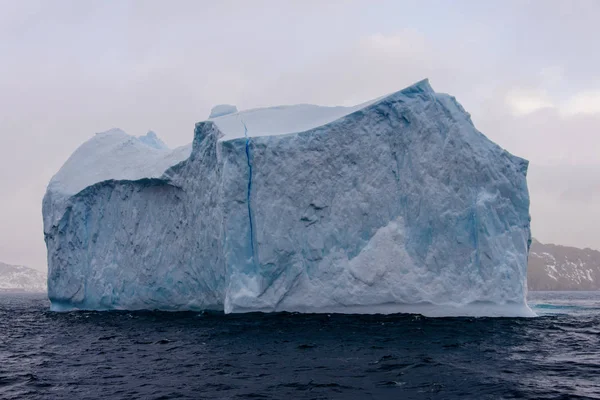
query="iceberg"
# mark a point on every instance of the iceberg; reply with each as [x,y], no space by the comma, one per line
[396,205]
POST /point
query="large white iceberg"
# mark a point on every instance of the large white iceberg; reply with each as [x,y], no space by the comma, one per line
[395,205]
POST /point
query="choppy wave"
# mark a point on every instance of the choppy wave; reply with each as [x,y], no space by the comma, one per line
[100,355]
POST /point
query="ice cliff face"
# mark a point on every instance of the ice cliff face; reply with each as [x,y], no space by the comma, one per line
[399,204]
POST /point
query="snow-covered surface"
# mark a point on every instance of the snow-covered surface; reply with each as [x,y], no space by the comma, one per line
[22,279]
[280,120]
[115,155]
[395,205]
[151,139]
[222,109]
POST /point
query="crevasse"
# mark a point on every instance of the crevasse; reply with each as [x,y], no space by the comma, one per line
[248,158]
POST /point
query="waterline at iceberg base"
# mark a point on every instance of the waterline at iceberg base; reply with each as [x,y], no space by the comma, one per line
[395,205]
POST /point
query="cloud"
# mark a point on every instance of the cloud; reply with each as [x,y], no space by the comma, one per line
[551,91]
[552,76]
[587,102]
[523,102]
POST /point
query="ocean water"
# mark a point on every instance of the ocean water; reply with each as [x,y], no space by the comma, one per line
[158,355]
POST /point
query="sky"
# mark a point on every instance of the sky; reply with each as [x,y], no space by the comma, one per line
[527,71]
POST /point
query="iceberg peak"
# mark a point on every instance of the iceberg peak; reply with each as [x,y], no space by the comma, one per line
[151,139]
[222,109]
[112,131]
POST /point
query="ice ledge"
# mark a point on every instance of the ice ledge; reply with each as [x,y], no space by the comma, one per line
[478,309]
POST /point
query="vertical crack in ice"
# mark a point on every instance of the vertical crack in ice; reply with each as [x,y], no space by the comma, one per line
[249,188]
[475,233]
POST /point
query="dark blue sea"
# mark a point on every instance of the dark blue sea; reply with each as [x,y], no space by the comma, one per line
[159,355]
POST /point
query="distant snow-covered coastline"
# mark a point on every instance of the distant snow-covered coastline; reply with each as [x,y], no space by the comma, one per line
[18,278]
[553,267]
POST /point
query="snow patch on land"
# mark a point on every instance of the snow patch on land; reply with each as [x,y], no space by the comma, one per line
[22,279]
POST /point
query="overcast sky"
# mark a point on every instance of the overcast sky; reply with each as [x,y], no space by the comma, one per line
[527,71]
